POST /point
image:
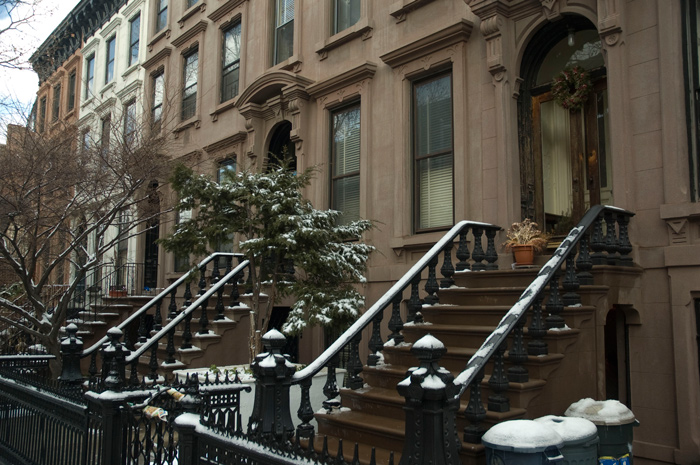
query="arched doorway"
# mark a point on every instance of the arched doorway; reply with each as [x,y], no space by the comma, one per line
[281,144]
[565,158]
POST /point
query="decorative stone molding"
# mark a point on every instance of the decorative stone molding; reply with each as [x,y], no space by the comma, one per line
[551,9]
[161,55]
[361,29]
[199,7]
[609,24]
[428,45]
[234,141]
[225,9]
[400,9]
[678,231]
[333,84]
[186,36]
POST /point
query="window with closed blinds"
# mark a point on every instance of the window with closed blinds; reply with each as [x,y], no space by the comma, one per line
[433,157]
[345,143]
[284,30]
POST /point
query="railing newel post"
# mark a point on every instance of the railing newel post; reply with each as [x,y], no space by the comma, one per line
[71,350]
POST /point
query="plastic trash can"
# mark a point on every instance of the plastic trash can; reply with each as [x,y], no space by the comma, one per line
[522,442]
[580,437]
[615,423]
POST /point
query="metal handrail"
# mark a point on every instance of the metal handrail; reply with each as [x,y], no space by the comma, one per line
[527,298]
[182,315]
[364,320]
[161,296]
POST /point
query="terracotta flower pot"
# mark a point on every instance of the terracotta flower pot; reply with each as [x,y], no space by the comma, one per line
[523,254]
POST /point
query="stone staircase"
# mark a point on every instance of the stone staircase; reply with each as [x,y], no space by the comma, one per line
[467,313]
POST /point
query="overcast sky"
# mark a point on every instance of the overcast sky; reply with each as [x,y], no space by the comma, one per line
[21,86]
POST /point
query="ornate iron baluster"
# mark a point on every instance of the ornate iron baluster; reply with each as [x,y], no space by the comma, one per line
[498,382]
[610,239]
[153,363]
[414,302]
[172,308]
[537,330]
[187,333]
[202,281]
[583,262]
[517,355]
[92,369]
[478,254]
[142,328]
[375,341]
[215,275]
[431,285]
[597,243]
[158,316]
[463,251]
[355,364]
[475,411]
[305,412]
[624,247]
[134,376]
[170,347]
[571,284]
[554,304]
[203,319]
[491,254]
[219,304]
[395,323]
[330,389]
[447,269]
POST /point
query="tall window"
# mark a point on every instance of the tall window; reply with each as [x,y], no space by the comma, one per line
[191,3]
[56,103]
[134,33]
[182,261]
[345,14]
[71,90]
[231,58]
[189,91]
[227,168]
[130,122]
[90,77]
[432,151]
[42,114]
[691,19]
[158,95]
[109,66]
[162,15]
[85,142]
[105,134]
[345,163]
[284,30]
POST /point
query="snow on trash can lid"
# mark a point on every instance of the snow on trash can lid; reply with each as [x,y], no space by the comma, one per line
[525,436]
[571,429]
[601,412]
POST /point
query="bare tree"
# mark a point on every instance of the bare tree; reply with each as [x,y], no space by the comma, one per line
[15,17]
[60,202]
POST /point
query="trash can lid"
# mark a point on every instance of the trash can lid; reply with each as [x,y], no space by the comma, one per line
[572,430]
[601,412]
[525,436]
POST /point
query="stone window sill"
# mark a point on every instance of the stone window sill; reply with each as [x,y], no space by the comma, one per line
[359,29]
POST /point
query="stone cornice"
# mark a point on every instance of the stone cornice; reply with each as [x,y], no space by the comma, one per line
[161,55]
[364,71]
[226,142]
[189,34]
[225,9]
[453,34]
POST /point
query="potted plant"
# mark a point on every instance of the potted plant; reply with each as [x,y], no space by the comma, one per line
[524,239]
[117,291]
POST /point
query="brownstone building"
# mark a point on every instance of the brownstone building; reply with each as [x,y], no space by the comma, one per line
[421,113]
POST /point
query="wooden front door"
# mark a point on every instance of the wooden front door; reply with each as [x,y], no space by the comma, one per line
[572,160]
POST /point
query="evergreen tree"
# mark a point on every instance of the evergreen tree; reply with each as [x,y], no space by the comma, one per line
[295,249]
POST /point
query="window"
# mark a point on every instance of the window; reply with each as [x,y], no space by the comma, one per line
[189,91]
[191,3]
[71,90]
[134,31]
[42,114]
[345,163]
[130,123]
[109,66]
[85,140]
[104,141]
[158,95]
[226,166]
[56,104]
[90,77]
[345,14]
[691,21]
[230,57]
[162,15]
[182,262]
[284,30]
[432,150]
